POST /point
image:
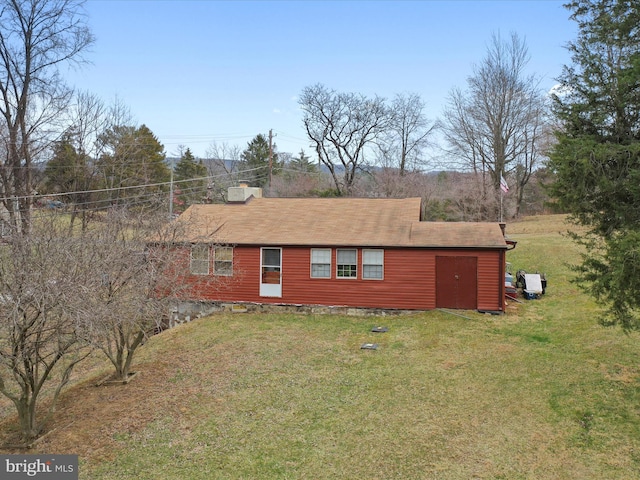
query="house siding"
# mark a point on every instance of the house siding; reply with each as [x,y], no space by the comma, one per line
[490,265]
[490,293]
[409,280]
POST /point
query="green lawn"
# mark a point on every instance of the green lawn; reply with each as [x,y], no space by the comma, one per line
[542,392]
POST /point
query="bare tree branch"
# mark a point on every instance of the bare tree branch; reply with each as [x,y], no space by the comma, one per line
[496,125]
[36,38]
[342,126]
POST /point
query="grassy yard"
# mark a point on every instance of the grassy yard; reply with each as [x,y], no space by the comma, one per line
[542,392]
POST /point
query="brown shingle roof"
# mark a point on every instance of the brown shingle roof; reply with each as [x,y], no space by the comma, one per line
[332,221]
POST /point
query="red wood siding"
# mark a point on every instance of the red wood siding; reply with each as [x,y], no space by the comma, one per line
[457,282]
[491,281]
[409,280]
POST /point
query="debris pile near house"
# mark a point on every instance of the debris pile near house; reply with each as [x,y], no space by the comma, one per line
[530,286]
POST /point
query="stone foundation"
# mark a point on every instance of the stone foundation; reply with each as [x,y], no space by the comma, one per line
[192,310]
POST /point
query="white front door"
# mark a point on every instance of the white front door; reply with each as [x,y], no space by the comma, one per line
[271,272]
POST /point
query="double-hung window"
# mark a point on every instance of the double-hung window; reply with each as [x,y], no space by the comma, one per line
[373,264]
[320,263]
[199,264]
[347,263]
[223,261]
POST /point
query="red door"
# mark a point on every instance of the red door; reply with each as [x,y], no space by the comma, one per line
[457,282]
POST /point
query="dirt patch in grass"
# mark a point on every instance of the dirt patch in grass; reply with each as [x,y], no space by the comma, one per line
[88,416]
[174,371]
[620,373]
[92,416]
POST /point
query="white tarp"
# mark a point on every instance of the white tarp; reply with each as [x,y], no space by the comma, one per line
[533,282]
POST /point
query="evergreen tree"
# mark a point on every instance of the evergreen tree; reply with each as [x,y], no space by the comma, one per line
[255,160]
[71,172]
[65,167]
[302,163]
[597,157]
[189,177]
[133,157]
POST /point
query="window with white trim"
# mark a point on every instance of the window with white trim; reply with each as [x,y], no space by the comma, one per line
[199,264]
[373,264]
[320,263]
[271,266]
[346,263]
[223,261]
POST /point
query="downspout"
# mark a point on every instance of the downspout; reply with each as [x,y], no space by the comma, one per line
[511,244]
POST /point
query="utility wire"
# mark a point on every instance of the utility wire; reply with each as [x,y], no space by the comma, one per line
[128,187]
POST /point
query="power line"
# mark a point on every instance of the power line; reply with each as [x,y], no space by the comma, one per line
[128,187]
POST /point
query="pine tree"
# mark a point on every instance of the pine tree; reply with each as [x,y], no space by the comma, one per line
[255,161]
[66,167]
[596,160]
[71,172]
[133,157]
[302,163]
[189,177]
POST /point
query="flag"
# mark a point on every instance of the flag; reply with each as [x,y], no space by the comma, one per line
[503,184]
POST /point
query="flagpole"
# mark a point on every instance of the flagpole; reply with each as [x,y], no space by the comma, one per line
[504,188]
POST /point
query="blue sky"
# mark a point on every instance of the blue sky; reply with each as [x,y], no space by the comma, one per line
[197,72]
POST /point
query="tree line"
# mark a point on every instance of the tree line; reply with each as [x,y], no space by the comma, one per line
[96,155]
[67,288]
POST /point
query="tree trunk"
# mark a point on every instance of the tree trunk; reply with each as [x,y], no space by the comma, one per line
[26,407]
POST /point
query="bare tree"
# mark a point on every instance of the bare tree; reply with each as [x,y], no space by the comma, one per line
[387,182]
[223,162]
[41,289]
[223,158]
[537,138]
[408,133]
[342,126]
[299,178]
[89,118]
[467,197]
[496,126]
[130,286]
[71,172]
[36,38]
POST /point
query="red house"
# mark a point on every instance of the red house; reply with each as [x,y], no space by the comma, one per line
[353,252]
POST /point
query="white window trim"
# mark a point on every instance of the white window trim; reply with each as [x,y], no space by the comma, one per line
[215,261]
[191,259]
[271,289]
[318,263]
[355,277]
[364,254]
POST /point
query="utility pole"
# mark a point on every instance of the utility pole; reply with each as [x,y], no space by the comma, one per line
[171,194]
[270,157]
